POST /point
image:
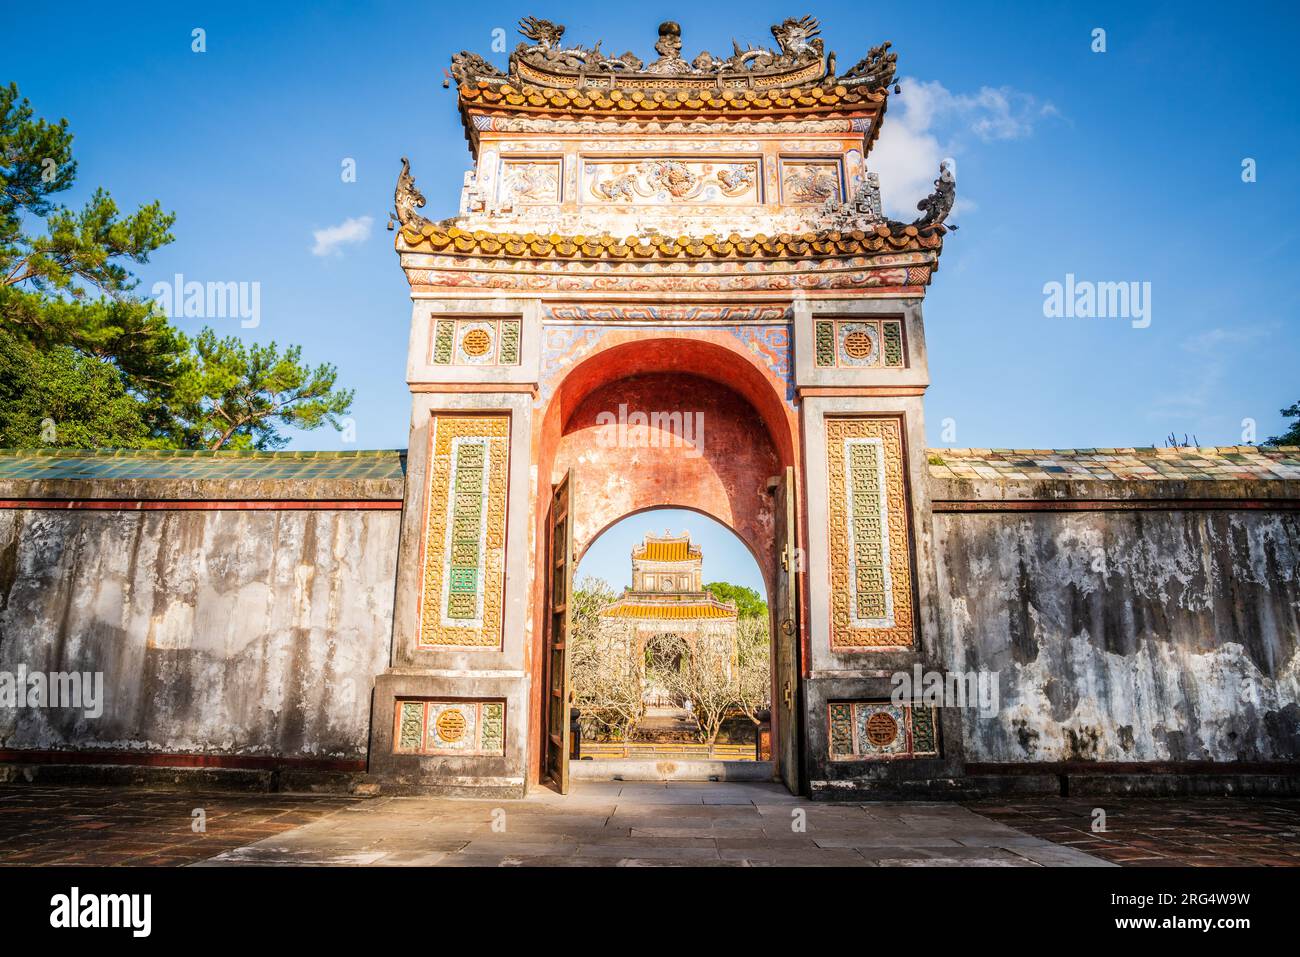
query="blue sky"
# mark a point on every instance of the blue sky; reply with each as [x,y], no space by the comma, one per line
[1115,166]
[725,557]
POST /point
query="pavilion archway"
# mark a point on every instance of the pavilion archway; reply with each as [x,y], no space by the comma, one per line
[691,420]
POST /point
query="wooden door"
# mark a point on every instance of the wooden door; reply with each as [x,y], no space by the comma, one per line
[785,665]
[559,596]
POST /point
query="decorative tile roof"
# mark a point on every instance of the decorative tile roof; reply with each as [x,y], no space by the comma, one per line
[674,611]
[807,101]
[666,549]
[1232,462]
[552,67]
[884,238]
[147,464]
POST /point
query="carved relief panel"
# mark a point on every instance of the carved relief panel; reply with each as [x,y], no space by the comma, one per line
[859,344]
[810,182]
[671,181]
[881,730]
[476,342]
[530,182]
[425,726]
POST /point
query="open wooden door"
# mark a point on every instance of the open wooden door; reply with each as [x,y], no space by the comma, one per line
[785,665]
[559,594]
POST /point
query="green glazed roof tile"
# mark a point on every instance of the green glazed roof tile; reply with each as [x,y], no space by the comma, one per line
[191,465]
[1231,463]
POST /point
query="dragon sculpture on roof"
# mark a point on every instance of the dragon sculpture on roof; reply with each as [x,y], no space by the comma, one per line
[407,198]
[800,58]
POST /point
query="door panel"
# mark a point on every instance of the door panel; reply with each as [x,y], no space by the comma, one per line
[785,665]
[559,595]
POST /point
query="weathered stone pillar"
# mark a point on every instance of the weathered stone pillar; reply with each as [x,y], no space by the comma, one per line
[451,712]
[860,371]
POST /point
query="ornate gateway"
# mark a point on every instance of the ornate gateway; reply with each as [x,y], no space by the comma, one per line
[699,230]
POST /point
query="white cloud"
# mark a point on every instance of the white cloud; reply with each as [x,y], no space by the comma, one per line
[933,126]
[1214,342]
[1203,376]
[329,239]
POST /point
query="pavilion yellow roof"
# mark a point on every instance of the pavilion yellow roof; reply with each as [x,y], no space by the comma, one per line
[677,611]
[670,550]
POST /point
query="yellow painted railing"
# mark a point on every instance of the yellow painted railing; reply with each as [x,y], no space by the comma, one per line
[718,752]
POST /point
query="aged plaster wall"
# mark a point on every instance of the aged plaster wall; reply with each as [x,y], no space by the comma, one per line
[1142,635]
[221,632]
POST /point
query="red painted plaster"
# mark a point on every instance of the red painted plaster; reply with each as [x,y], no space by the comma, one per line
[723,472]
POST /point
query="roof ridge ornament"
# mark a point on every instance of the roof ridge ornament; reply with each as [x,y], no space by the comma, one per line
[936,207]
[799,60]
[875,71]
[407,198]
[862,210]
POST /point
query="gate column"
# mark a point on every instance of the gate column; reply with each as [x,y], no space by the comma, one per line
[860,368]
[451,712]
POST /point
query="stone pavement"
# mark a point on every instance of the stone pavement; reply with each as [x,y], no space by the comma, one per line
[1198,832]
[615,823]
[93,826]
[647,824]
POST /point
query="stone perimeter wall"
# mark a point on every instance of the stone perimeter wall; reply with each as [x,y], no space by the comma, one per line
[1146,621]
[251,632]
[1158,626]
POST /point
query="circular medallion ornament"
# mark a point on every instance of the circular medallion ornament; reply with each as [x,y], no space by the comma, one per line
[882,729]
[476,343]
[857,345]
[451,725]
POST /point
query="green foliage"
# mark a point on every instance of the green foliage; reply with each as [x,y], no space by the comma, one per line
[78,248]
[61,398]
[1292,435]
[82,349]
[233,395]
[35,160]
[749,603]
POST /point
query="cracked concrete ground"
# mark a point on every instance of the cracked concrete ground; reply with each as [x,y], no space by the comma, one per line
[648,824]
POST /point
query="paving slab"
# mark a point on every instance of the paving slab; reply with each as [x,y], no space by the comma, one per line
[635,824]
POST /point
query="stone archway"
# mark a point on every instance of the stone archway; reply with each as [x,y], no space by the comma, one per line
[684,420]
